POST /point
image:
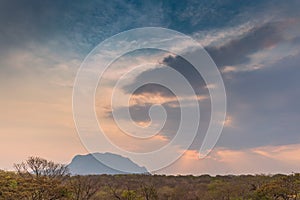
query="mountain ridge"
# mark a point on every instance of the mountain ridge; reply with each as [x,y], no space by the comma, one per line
[93,163]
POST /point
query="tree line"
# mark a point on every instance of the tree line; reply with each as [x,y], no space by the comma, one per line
[40,179]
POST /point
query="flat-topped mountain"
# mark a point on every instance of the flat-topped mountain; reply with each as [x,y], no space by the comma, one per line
[91,164]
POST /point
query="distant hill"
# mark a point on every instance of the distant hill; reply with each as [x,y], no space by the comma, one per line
[88,165]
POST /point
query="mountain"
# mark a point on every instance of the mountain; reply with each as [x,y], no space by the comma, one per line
[91,164]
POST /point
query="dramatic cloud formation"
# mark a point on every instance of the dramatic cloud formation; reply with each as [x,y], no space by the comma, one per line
[255,44]
[237,51]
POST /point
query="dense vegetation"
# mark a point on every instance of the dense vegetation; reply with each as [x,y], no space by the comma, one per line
[39,179]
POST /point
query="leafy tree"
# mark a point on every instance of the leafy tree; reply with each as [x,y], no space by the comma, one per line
[129,195]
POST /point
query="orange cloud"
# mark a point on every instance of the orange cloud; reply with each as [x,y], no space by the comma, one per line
[269,159]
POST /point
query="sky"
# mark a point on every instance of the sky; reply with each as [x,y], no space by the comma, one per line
[255,45]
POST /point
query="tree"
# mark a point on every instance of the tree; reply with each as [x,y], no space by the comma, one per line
[280,187]
[41,179]
[149,192]
[41,167]
[84,187]
[129,194]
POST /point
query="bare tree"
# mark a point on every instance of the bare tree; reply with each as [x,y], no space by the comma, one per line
[149,192]
[113,191]
[41,167]
[46,178]
[84,187]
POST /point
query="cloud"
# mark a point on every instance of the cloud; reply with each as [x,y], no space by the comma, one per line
[260,102]
[192,16]
[237,50]
[139,113]
[35,104]
[177,63]
[266,159]
[255,44]
[71,25]
[263,105]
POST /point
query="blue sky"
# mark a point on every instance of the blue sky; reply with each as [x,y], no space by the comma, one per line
[255,44]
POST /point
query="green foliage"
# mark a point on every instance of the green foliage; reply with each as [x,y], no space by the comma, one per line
[51,181]
[129,195]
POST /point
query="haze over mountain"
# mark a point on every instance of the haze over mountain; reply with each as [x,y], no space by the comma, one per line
[91,164]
